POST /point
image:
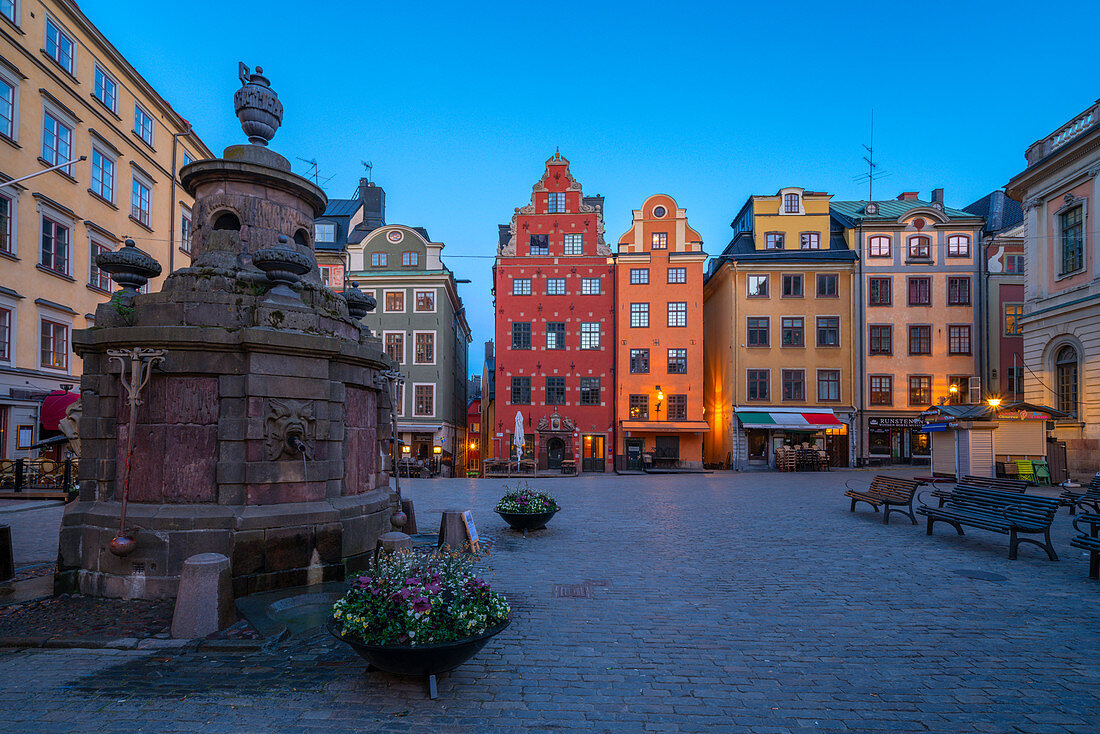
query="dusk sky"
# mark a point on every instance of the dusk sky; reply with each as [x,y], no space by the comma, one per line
[459,105]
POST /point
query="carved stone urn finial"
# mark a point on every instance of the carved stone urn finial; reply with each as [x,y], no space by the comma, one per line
[258,107]
[284,266]
[359,303]
[129,267]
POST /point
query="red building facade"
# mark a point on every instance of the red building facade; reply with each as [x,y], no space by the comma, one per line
[554,294]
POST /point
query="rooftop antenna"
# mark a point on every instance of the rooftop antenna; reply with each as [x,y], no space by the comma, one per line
[872,168]
[314,171]
[368,167]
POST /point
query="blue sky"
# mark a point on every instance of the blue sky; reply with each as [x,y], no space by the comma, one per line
[458,105]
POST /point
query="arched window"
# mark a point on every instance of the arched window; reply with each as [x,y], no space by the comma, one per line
[790,204]
[879,246]
[920,246]
[1065,377]
[958,245]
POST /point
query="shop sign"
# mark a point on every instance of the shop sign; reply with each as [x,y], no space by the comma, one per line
[888,423]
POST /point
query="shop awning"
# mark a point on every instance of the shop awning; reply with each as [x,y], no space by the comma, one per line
[822,419]
[808,421]
[54,406]
[933,427]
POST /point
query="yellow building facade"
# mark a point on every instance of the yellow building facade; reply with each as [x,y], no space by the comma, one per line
[779,308]
[67,94]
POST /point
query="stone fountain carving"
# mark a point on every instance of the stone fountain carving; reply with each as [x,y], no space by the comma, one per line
[259,437]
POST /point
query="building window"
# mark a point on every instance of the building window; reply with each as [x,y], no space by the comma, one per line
[882,340]
[758,328]
[920,390]
[555,286]
[828,285]
[7,8]
[792,286]
[555,203]
[920,291]
[1073,240]
[1013,312]
[879,246]
[7,109]
[540,244]
[5,334]
[55,246]
[521,335]
[794,384]
[143,124]
[882,390]
[425,301]
[521,391]
[324,232]
[639,361]
[395,301]
[677,407]
[1014,380]
[677,313]
[639,315]
[555,391]
[103,175]
[1014,263]
[659,240]
[958,245]
[958,339]
[186,229]
[139,202]
[573,244]
[958,291]
[400,407]
[920,340]
[57,142]
[521,287]
[920,247]
[677,361]
[410,259]
[59,46]
[792,330]
[810,240]
[677,275]
[639,276]
[590,391]
[639,407]
[790,203]
[828,385]
[98,278]
[880,291]
[55,345]
[395,346]
[424,352]
[590,286]
[555,335]
[424,400]
[758,286]
[378,259]
[105,89]
[961,383]
[828,331]
[5,224]
[326,275]
[590,335]
[758,384]
[773,241]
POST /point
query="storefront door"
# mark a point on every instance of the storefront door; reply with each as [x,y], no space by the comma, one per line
[555,452]
[592,457]
[758,445]
[634,448]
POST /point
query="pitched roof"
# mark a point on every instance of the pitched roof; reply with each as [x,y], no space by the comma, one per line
[998,211]
[889,209]
[340,208]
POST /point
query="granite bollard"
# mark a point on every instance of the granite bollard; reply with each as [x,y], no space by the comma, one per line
[204,603]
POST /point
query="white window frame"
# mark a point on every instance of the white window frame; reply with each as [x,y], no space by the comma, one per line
[586,283]
[589,333]
[14,17]
[404,344]
[12,81]
[45,313]
[136,180]
[522,287]
[401,399]
[317,231]
[12,305]
[435,347]
[152,124]
[11,194]
[385,301]
[760,278]
[101,72]
[414,411]
[551,292]
[567,248]
[63,119]
[62,32]
[435,300]
[185,239]
[104,153]
[45,211]
[95,240]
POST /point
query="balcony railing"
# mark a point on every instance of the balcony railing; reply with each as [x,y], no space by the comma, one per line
[1064,135]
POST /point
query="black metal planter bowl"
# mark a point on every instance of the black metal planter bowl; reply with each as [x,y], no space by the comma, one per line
[526,520]
[422,660]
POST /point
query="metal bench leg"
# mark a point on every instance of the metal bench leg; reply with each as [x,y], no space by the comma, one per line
[886,514]
[912,515]
[1013,544]
[1094,564]
[853,506]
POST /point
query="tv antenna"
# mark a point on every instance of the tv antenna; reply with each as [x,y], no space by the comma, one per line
[368,167]
[873,172]
[314,171]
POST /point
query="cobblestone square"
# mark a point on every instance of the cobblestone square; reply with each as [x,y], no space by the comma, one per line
[720,602]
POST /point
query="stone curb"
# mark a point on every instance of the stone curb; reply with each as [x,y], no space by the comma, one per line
[131,643]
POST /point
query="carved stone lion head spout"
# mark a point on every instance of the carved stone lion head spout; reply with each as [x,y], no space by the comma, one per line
[70,425]
[289,428]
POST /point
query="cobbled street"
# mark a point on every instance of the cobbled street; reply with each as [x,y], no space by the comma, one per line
[722,602]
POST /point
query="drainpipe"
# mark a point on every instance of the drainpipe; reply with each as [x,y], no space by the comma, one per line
[862,354]
[983,299]
[172,201]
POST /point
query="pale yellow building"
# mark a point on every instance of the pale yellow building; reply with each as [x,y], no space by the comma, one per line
[66,93]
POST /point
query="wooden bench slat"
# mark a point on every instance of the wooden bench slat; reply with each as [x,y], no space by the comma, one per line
[1009,513]
[887,492]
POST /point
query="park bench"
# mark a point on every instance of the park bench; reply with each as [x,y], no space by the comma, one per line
[893,494]
[1009,513]
[1003,485]
[1090,497]
[1088,540]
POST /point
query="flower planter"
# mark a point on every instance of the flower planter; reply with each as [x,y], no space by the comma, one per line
[527,520]
[425,660]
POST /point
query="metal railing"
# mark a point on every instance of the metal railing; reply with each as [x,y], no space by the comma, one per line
[37,475]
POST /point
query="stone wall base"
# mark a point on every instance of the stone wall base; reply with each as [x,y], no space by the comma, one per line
[1082,458]
[269,546]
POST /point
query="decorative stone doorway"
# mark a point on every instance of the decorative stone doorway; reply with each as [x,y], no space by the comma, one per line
[555,452]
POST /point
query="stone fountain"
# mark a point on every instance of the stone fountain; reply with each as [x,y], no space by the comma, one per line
[258,432]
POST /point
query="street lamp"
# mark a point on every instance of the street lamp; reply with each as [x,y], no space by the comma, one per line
[994,402]
[660,399]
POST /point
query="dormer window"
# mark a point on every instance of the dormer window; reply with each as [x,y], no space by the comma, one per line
[410,259]
[324,232]
[773,241]
[790,204]
[555,203]
[378,259]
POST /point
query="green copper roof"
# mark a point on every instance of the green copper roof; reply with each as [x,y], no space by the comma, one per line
[890,209]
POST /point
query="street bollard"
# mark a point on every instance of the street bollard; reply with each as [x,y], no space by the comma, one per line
[7,563]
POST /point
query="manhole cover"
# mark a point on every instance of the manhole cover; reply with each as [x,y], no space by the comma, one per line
[573,591]
[983,575]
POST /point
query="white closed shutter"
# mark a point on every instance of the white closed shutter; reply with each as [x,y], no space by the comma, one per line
[1020,439]
[943,453]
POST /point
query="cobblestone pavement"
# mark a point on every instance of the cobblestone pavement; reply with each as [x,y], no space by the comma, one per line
[743,603]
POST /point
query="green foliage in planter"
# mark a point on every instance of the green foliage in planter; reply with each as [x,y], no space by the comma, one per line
[524,500]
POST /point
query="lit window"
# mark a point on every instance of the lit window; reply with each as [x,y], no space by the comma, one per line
[555,286]
[57,142]
[143,124]
[639,315]
[55,246]
[1013,312]
[410,259]
[639,276]
[639,407]
[677,313]
[677,275]
[574,244]
[139,202]
[324,232]
[677,361]
[590,286]
[773,241]
[958,245]
[395,301]
[555,203]
[105,89]
[521,287]
[879,246]
[639,361]
[810,240]
[103,175]
[425,301]
[590,336]
[98,278]
[920,390]
[659,240]
[59,46]
[758,286]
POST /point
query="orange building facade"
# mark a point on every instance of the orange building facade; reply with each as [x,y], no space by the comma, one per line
[659,355]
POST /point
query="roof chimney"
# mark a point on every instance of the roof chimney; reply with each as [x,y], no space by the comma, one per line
[373,199]
[937,196]
[907,196]
[489,349]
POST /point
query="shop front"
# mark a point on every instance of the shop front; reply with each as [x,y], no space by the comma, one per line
[761,432]
[897,439]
